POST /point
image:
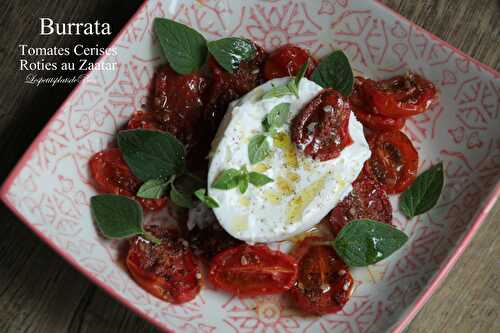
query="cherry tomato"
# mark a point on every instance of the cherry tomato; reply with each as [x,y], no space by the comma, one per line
[112,175]
[142,119]
[367,200]
[178,105]
[394,161]
[324,283]
[168,270]
[286,61]
[367,116]
[400,96]
[321,127]
[251,270]
[225,87]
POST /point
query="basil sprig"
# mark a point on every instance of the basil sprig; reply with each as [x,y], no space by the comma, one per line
[334,71]
[291,88]
[232,178]
[119,217]
[184,47]
[258,147]
[231,51]
[424,193]
[366,242]
[206,199]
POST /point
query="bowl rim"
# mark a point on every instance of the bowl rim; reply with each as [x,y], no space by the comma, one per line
[440,274]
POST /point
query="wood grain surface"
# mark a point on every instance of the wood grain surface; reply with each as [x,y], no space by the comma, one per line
[39,292]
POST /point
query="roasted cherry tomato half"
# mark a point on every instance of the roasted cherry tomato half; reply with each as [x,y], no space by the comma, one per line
[225,87]
[168,270]
[178,104]
[286,61]
[394,161]
[324,283]
[400,96]
[367,200]
[321,127]
[112,175]
[144,120]
[367,116]
[251,270]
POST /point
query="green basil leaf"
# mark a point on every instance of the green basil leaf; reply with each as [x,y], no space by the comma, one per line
[258,179]
[116,216]
[231,51]
[184,47]
[293,88]
[366,242]
[180,199]
[424,193]
[243,182]
[151,154]
[277,117]
[258,148]
[227,180]
[206,199]
[301,73]
[278,91]
[335,71]
[153,189]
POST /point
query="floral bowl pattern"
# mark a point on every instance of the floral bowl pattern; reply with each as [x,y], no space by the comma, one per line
[49,189]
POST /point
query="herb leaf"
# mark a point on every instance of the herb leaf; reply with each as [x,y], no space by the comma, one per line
[231,51]
[228,179]
[116,216]
[277,117]
[243,183]
[180,199]
[184,47]
[424,193]
[366,242]
[258,148]
[151,154]
[153,189]
[258,179]
[206,199]
[278,91]
[301,73]
[335,71]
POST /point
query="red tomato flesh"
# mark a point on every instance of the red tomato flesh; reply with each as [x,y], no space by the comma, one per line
[367,200]
[168,270]
[400,96]
[324,283]
[321,127]
[394,161]
[252,270]
[112,175]
[286,61]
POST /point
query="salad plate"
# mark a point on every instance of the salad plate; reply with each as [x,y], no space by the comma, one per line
[50,187]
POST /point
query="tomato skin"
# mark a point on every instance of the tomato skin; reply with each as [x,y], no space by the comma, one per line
[324,283]
[143,120]
[394,161]
[329,113]
[178,104]
[225,87]
[367,116]
[168,271]
[112,175]
[367,200]
[252,270]
[400,96]
[286,61]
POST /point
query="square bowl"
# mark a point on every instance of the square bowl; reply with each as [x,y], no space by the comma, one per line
[49,189]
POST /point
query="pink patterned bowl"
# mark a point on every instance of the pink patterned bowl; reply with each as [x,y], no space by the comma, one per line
[49,188]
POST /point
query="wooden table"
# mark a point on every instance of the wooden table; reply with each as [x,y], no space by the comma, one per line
[39,292]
